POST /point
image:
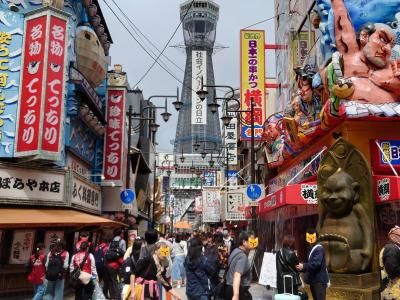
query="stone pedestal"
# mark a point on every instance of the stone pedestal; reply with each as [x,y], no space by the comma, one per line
[353,287]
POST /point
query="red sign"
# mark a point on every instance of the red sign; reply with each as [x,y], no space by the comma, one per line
[114,140]
[386,188]
[29,108]
[298,194]
[40,112]
[53,107]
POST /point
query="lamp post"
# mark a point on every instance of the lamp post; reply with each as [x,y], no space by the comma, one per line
[226,119]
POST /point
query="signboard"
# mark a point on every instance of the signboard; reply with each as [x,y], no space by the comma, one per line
[298,194]
[388,153]
[85,194]
[78,166]
[41,108]
[254,191]
[386,188]
[210,178]
[252,74]
[21,247]
[29,186]
[127,196]
[199,70]
[234,205]
[11,35]
[232,178]
[268,272]
[231,139]
[51,237]
[115,137]
[211,205]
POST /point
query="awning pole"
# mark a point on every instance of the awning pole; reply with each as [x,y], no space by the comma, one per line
[306,166]
[238,172]
[386,157]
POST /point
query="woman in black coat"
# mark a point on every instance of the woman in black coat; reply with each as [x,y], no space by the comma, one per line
[286,261]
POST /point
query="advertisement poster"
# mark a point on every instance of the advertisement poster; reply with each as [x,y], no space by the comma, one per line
[211,205]
[199,71]
[22,246]
[51,237]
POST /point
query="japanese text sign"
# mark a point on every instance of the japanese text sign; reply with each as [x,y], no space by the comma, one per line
[85,194]
[11,36]
[211,205]
[199,70]
[40,113]
[114,140]
[252,82]
[386,188]
[230,140]
[21,247]
[51,237]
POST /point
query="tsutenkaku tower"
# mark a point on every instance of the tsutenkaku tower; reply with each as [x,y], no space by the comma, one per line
[196,122]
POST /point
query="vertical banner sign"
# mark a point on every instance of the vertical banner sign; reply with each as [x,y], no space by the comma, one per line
[113,154]
[40,112]
[199,70]
[252,81]
[21,247]
[231,138]
[11,36]
[211,205]
[54,104]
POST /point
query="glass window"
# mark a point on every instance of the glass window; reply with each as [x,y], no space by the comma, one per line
[199,26]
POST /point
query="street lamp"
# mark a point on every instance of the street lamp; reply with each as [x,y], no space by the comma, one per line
[226,119]
[182,158]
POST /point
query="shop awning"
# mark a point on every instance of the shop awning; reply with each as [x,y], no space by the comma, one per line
[386,188]
[39,217]
[295,194]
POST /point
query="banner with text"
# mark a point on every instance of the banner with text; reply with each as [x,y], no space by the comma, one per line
[199,70]
[252,82]
[211,205]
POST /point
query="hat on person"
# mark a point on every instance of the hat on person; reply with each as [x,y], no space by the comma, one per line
[394,235]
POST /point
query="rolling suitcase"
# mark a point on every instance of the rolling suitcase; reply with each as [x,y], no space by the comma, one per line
[285,295]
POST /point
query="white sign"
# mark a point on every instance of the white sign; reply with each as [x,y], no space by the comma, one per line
[21,247]
[32,185]
[85,194]
[51,237]
[78,166]
[268,270]
[231,139]
[199,70]
[211,205]
[235,206]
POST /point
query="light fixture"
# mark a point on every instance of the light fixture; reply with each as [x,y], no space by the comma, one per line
[196,146]
[214,107]
[203,154]
[192,168]
[226,120]
[176,165]
[182,158]
[178,104]
[211,163]
[165,116]
[202,94]
[169,173]
[154,127]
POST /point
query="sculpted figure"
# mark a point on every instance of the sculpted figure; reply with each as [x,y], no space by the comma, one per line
[366,58]
[274,143]
[344,227]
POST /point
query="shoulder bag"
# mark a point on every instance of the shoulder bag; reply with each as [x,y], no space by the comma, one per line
[220,289]
[74,279]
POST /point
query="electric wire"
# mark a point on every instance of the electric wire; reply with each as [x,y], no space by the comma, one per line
[263,21]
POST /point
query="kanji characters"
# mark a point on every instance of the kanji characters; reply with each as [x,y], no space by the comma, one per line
[44,186]
[36,32]
[56,48]
[35,48]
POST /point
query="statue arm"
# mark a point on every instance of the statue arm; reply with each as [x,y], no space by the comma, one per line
[366,225]
[346,40]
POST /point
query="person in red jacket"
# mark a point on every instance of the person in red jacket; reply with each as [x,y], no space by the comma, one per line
[36,276]
[114,258]
[85,290]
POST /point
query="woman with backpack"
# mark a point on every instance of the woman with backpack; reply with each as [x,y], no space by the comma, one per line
[56,265]
[38,272]
[178,257]
[86,263]
[198,272]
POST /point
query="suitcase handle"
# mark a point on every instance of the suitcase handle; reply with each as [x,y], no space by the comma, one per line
[284,283]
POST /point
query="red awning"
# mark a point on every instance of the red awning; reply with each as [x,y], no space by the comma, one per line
[295,194]
[386,188]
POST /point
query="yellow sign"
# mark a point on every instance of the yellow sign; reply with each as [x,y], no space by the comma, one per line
[252,82]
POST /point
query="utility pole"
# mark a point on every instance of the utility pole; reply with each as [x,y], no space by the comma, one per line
[252,162]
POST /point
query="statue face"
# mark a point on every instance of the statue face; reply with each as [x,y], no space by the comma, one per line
[340,193]
[305,90]
[379,46]
[271,132]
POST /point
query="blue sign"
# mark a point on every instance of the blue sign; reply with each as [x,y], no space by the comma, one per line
[391,152]
[254,191]
[127,196]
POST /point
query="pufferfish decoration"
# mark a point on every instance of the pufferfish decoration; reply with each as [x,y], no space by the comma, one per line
[164,251]
[253,242]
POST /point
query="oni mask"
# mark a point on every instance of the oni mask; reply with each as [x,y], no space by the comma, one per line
[253,243]
[164,251]
[311,238]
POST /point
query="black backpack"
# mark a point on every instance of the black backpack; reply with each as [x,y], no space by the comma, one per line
[99,258]
[114,253]
[55,269]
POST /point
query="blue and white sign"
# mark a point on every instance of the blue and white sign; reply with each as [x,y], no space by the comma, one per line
[391,152]
[127,196]
[254,191]
[232,177]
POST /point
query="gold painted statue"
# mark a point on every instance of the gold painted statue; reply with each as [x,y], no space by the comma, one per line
[345,210]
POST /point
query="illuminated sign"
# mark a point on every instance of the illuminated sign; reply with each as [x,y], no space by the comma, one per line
[252,81]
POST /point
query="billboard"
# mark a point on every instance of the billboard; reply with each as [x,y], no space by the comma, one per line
[230,140]
[11,35]
[40,122]
[115,137]
[199,70]
[211,205]
[252,81]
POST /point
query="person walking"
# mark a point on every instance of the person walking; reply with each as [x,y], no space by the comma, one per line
[119,237]
[238,277]
[56,266]
[178,258]
[212,255]
[114,258]
[199,270]
[391,263]
[286,262]
[223,253]
[84,260]
[315,272]
[38,272]
[131,257]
